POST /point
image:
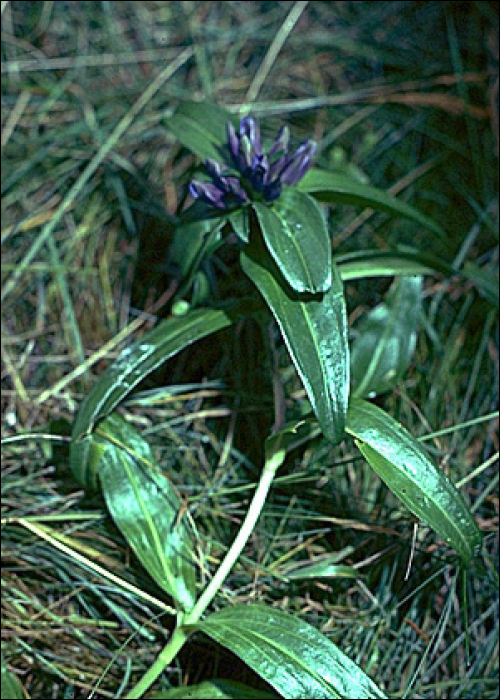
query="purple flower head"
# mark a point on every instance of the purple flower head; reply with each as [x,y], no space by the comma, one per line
[253,174]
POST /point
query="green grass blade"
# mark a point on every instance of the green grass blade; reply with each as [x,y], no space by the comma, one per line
[66,298]
[96,161]
[486,280]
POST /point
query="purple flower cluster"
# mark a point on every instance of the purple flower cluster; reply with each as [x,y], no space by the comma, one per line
[260,175]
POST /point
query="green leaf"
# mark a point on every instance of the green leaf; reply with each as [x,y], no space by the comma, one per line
[132,365]
[323,570]
[189,244]
[329,187]
[315,332]
[382,351]
[201,127]
[217,689]
[383,263]
[240,223]
[144,505]
[292,656]
[11,687]
[201,288]
[194,241]
[327,567]
[295,234]
[406,261]
[405,467]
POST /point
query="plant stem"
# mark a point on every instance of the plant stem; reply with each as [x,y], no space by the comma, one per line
[180,634]
[236,548]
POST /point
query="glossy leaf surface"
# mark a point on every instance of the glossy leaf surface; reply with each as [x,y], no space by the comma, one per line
[386,339]
[201,127]
[330,187]
[295,234]
[145,507]
[132,365]
[405,467]
[315,333]
[291,655]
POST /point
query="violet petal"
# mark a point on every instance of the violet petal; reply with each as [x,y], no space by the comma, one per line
[233,143]
[207,193]
[250,128]
[281,142]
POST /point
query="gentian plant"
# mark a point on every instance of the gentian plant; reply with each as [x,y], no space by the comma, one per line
[268,198]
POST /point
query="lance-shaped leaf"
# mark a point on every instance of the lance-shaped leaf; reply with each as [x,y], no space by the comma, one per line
[315,332]
[327,567]
[386,339]
[191,240]
[331,187]
[386,263]
[239,220]
[134,364]
[291,655]
[323,570]
[402,463]
[145,507]
[295,234]
[201,127]
[405,261]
